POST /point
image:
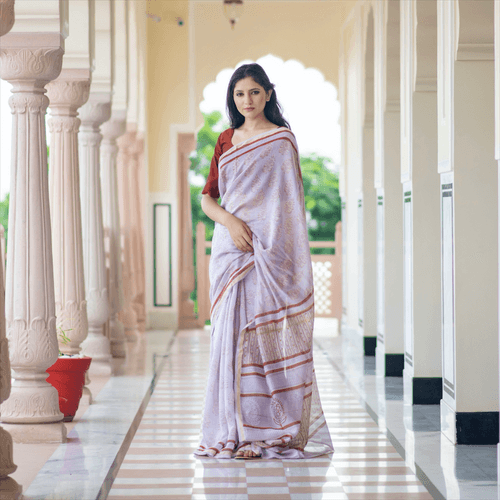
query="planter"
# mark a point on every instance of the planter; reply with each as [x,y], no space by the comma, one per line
[67,375]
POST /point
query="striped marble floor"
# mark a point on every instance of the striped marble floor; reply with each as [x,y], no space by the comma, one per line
[160,463]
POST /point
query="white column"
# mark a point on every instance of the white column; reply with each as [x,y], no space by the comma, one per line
[67,94]
[135,183]
[93,115]
[111,130]
[367,251]
[128,314]
[389,191]
[469,223]
[30,304]
[421,217]
[9,489]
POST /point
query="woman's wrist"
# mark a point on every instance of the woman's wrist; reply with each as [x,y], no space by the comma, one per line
[226,218]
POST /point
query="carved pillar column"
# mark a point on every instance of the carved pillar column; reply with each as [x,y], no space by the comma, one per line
[66,95]
[93,115]
[128,315]
[136,173]
[187,317]
[9,489]
[30,305]
[111,130]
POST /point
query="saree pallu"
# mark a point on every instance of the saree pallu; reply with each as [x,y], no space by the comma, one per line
[261,383]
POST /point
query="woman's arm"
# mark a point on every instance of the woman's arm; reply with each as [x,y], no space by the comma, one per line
[239,231]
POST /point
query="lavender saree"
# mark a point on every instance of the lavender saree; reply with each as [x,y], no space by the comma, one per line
[261,385]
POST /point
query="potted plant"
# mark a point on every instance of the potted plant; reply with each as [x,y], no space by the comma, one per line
[67,375]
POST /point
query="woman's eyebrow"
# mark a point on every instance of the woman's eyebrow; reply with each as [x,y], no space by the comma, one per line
[237,90]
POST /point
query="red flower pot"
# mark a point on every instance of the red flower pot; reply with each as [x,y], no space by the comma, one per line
[67,375]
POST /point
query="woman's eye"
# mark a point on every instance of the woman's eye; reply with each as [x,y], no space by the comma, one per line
[255,92]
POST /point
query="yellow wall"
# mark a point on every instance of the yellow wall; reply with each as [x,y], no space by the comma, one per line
[308,31]
[167,87]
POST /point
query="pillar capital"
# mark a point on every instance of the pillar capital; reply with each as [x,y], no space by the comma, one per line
[113,129]
[29,67]
[96,110]
[68,92]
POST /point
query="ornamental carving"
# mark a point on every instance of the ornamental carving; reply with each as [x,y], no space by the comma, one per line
[67,124]
[32,405]
[97,306]
[7,17]
[33,347]
[95,111]
[23,64]
[74,93]
[34,103]
[72,319]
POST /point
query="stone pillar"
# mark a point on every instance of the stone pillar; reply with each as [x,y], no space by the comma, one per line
[469,224]
[367,251]
[187,317]
[128,315]
[29,63]
[136,171]
[111,130]
[421,216]
[389,207]
[9,489]
[93,114]
[67,94]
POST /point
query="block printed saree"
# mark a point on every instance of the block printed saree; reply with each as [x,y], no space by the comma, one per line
[261,384]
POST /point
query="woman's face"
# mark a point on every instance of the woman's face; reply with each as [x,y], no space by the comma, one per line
[250,98]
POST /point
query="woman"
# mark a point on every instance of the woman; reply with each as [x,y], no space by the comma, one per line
[262,397]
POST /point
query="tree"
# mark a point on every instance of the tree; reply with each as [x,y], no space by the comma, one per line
[321,185]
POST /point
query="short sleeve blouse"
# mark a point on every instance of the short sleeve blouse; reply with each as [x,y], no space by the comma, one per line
[223,144]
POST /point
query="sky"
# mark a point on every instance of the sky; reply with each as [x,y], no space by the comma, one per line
[310,105]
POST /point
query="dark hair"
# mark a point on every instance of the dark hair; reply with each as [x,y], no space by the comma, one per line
[273,111]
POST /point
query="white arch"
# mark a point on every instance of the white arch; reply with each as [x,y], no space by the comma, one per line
[309,101]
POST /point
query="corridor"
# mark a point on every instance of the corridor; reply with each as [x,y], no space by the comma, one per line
[159,463]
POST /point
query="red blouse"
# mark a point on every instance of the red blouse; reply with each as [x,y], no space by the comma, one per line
[223,144]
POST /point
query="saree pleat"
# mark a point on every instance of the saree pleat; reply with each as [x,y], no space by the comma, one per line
[261,384]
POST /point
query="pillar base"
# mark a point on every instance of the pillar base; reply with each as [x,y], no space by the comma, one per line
[86,399]
[10,490]
[37,433]
[369,345]
[479,427]
[97,346]
[118,348]
[131,335]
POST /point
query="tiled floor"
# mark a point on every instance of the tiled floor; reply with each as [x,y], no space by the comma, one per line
[160,463]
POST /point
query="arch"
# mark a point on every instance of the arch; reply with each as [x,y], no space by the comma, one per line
[293,78]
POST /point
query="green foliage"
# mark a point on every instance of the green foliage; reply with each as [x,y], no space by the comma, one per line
[322,199]
[4,214]
[64,338]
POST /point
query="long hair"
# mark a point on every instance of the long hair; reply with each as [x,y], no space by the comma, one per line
[273,111]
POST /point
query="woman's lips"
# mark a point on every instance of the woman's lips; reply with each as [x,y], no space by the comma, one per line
[248,109]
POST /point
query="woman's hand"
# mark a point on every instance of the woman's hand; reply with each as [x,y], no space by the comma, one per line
[240,233]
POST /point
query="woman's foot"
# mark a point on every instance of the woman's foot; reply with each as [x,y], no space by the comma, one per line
[249,452]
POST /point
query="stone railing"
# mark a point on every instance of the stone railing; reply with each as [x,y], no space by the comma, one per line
[327,274]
